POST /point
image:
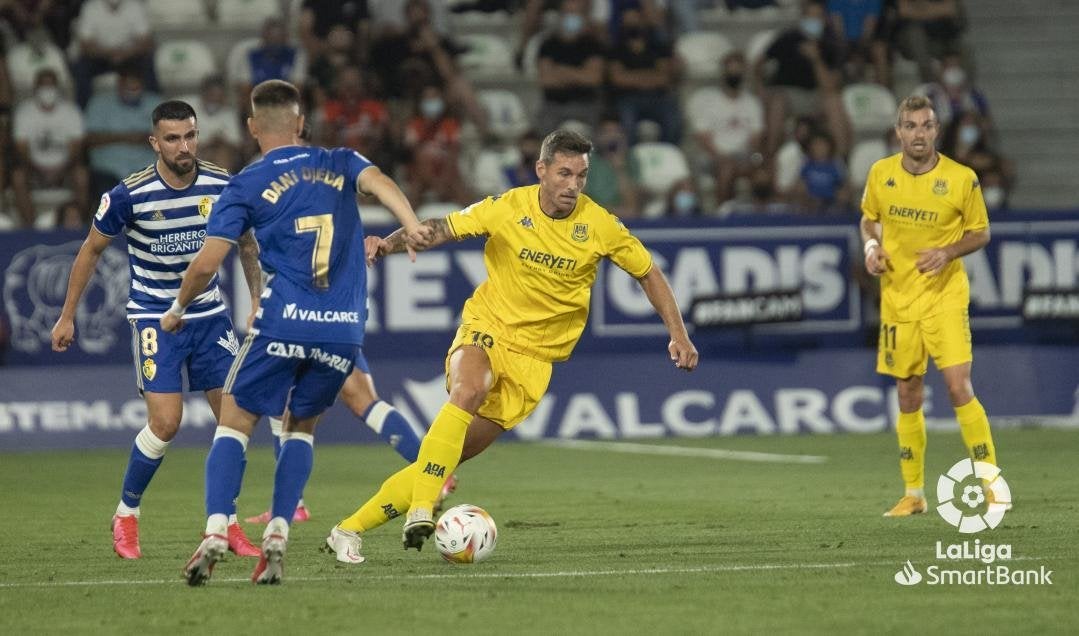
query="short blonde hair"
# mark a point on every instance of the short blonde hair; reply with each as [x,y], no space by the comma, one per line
[912,104]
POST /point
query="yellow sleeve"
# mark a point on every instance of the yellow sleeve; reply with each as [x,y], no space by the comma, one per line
[626,250]
[870,205]
[975,216]
[476,220]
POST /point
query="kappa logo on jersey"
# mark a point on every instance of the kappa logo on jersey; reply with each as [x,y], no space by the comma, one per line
[580,232]
[103,207]
[205,205]
[526,221]
[229,342]
[890,182]
[291,312]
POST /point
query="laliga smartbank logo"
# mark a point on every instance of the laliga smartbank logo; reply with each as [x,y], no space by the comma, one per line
[973,496]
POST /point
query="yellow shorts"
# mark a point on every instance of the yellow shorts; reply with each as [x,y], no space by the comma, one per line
[904,348]
[519,380]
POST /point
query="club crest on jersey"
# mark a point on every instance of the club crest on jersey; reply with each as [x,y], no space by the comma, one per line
[940,186]
[526,221]
[580,232]
[149,369]
[205,204]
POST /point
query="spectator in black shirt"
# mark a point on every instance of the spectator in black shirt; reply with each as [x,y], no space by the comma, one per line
[570,71]
[643,80]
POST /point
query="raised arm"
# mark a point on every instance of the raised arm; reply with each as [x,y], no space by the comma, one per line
[82,270]
[659,293]
[374,181]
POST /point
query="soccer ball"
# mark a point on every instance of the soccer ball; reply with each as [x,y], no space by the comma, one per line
[465,534]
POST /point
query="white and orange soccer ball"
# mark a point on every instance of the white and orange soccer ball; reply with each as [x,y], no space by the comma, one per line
[466,534]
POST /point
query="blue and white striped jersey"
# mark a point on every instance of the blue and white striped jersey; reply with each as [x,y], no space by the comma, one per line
[165,229]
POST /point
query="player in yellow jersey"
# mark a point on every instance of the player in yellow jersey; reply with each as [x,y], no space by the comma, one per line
[544,243]
[921,212]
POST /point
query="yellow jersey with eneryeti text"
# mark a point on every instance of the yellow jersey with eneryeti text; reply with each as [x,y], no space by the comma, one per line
[540,270]
[918,212]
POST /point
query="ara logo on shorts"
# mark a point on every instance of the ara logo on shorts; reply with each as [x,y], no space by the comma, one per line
[149,369]
[889,360]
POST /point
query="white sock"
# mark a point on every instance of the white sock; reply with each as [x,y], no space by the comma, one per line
[217,524]
[233,519]
[916,492]
[123,511]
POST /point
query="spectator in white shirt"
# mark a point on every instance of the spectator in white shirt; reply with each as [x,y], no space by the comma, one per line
[112,34]
[728,123]
[48,136]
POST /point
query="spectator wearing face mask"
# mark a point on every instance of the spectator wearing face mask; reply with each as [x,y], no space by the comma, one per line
[610,172]
[967,140]
[643,79]
[761,198]
[48,135]
[116,137]
[570,71]
[523,172]
[432,142]
[953,94]
[800,74]
[728,124]
[112,34]
[683,200]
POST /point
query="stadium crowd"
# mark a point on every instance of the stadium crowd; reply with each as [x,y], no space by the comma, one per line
[696,107]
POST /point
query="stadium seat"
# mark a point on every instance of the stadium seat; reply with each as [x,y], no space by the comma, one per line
[163,14]
[506,115]
[758,44]
[870,107]
[23,64]
[861,159]
[702,51]
[488,56]
[181,65]
[246,14]
[660,165]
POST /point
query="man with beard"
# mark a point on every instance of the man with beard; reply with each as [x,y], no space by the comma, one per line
[162,212]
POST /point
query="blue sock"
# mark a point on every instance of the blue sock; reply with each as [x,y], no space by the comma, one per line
[290,478]
[392,427]
[147,453]
[140,470]
[224,471]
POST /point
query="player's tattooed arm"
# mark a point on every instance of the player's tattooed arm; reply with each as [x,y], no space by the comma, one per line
[249,260]
[440,233]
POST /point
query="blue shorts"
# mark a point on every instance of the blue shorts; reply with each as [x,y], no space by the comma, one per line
[206,346]
[360,362]
[270,374]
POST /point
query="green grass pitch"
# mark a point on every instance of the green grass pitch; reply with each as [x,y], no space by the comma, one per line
[591,541]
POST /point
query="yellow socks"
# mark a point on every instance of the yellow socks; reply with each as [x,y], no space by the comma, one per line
[974,426]
[391,500]
[910,428]
[439,455]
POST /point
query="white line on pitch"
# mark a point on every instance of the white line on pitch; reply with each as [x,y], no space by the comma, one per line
[686,451]
[458,574]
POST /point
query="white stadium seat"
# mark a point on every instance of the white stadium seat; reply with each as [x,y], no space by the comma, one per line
[661,165]
[862,157]
[870,107]
[181,65]
[487,56]
[759,43]
[166,14]
[246,14]
[702,52]
[506,116]
[236,65]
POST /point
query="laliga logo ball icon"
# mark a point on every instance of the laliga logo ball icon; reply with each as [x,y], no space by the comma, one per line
[465,534]
[960,508]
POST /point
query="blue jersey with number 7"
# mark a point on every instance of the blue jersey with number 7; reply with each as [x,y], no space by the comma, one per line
[301,202]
